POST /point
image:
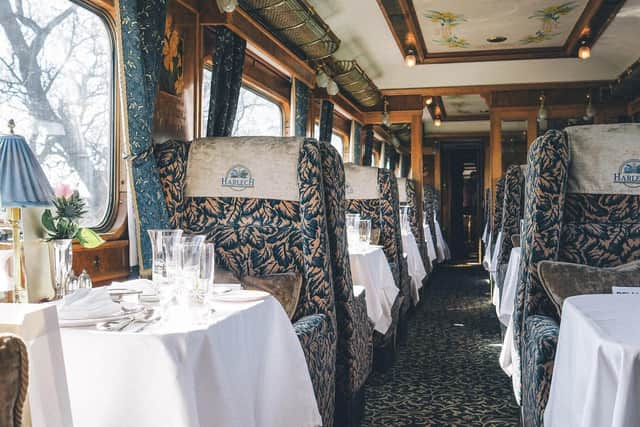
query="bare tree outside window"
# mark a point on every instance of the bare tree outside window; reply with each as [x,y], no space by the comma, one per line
[56,81]
[255,116]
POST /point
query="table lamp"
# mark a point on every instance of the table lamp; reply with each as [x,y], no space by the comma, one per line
[23,184]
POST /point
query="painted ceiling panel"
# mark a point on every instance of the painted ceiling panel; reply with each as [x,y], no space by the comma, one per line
[464,105]
[462,25]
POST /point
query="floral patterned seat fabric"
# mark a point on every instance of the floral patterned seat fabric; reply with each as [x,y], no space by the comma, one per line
[567,221]
[384,216]
[355,331]
[511,213]
[261,236]
[497,212]
[431,201]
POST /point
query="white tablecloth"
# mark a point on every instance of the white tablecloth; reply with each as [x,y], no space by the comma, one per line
[370,268]
[504,310]
[443,249]
[596,376]
[431,247]
[244,368]
[417,272]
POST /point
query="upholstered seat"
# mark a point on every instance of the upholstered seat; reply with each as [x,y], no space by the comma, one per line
[578,208]
[409,198]
[261,201]
[14,380]
[511,213]
[355,331]
[373,194]
[431,202]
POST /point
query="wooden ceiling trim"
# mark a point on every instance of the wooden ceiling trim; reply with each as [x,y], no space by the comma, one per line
[474,89]
[402,21]
[375,117]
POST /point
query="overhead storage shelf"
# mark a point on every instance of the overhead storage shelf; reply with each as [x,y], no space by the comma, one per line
[354,81]
[296,24]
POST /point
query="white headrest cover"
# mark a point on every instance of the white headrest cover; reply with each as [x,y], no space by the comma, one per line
[402,190]
[247,167]
[605,159]
[361,182]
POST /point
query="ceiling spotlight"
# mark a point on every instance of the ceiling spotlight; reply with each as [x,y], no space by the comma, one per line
[410,58]
[322,79]
[429,100]
[437,121]
[332,88]
[584,52]
[542,111]
[227,5]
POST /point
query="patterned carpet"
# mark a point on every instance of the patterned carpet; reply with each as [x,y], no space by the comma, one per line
[448,374]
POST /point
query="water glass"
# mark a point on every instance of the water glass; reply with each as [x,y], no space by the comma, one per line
[206,272]
[189,259]
[164,248]
[353,229]
[404,219]
[365,232]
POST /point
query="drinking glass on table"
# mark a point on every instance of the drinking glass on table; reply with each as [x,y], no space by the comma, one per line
[206,272]
[164,248]
[365,232]
[353,230]
[189,263]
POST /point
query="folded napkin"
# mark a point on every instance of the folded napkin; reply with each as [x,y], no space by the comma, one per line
[144,285]
[87,304]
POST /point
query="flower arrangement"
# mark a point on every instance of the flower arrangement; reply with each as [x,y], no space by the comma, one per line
[69,208]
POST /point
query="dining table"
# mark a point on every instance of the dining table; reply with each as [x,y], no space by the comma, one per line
[596,374]
[417,270]
[223,363]
[370,269]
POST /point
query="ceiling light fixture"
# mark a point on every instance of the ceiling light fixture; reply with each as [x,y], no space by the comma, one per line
[410,58]
[322,79]
[386,119]
[584,52]
[437,121]
[227,6]
[497,39]
[429,100]
[332,88]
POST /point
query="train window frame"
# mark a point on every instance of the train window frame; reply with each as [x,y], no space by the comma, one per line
[109,221]
[257,89]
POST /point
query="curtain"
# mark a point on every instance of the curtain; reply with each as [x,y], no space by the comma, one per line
[404,166]
[226,81]
[141,31]
[368,146]
[301,99]
[326,121]
[357,148]
[392,158]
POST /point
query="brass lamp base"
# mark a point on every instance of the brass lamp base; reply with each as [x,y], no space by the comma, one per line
[20,294]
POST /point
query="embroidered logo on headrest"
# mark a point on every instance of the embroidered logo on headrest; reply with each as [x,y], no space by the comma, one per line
[629,174]
[348,189]
[238,178]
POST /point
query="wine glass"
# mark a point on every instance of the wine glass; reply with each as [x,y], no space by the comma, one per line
[164,248]
[365,232]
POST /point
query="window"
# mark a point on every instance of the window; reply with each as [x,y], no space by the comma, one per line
[256,115]
[336,139]
[59,90]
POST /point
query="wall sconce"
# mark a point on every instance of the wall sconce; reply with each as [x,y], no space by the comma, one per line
[322,79]
[437,121]
[589,111]
[429,100]
[542,111]
[332,88]
[386,120]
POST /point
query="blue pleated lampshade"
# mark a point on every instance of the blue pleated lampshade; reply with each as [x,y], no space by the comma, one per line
[23,183]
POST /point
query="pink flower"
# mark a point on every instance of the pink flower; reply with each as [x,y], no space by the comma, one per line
[64,191]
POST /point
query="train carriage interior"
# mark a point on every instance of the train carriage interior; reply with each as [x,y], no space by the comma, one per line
[305,213]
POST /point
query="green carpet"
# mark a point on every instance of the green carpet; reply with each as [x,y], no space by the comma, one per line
[448,373]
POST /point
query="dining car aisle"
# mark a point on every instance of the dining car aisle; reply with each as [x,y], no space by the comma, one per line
[448,374]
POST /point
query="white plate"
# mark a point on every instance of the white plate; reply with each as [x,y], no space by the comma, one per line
[241,296]
[75,323]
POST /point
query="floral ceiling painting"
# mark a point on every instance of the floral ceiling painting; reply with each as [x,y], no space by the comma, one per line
[454,26]
[465,105]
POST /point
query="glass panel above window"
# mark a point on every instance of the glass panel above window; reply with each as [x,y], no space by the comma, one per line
[56,82]
[256,115]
